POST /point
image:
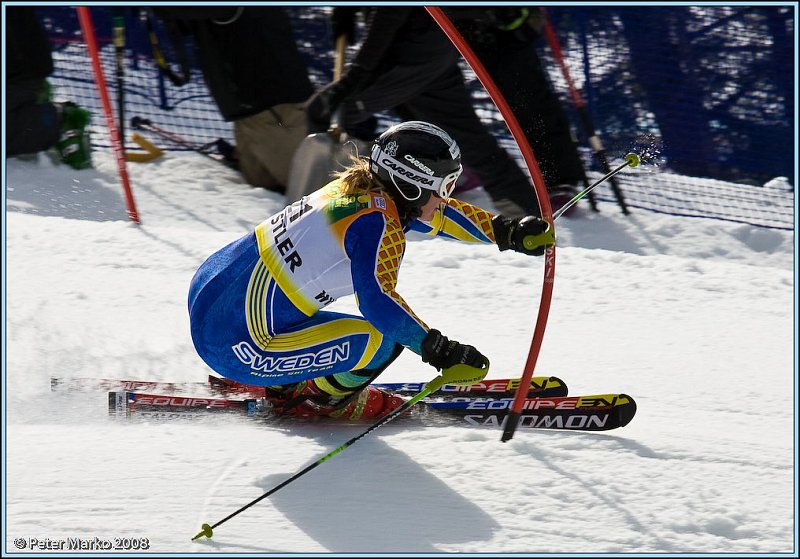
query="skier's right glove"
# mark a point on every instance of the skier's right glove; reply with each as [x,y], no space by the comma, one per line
[528,235]
[442,353]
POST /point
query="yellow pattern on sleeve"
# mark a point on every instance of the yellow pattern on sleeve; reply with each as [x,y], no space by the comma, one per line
[466,222]
[390,254]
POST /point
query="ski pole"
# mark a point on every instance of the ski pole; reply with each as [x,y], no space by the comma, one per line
[531,241]
[458,374]
[631,160]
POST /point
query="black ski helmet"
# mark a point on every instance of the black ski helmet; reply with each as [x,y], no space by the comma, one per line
[416,159]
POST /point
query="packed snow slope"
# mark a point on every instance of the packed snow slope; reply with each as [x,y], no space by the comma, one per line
[692,317]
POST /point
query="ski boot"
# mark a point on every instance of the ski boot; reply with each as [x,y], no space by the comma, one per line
[308,399]
[347,396]
[74,144]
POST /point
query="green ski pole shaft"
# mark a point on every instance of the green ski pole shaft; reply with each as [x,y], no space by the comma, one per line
[630,160]
[208,530]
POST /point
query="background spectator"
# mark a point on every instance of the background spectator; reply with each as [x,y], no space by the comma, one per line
[406,64]
[258,79]
[504,39]
[33,122]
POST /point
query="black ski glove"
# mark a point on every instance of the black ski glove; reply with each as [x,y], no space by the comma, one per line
[442,353]
[528,235]
[321,106]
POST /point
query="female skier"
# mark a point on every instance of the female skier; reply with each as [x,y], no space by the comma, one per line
[256,305]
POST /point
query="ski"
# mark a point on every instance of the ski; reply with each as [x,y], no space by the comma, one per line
[574,413]
[541,386]
[599,412]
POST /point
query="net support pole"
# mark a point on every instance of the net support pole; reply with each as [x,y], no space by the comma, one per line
[583,111]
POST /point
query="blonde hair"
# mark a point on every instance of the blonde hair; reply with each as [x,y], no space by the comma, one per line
[357,177]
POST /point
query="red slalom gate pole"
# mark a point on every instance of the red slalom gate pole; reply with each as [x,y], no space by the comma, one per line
[513,416]
[91,45]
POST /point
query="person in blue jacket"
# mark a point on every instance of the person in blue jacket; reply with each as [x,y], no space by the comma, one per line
[257,305]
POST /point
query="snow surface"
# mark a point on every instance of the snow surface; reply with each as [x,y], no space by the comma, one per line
[692,317]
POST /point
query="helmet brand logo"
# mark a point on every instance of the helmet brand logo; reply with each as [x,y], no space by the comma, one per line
[405,172]
[419,164]
[391,148]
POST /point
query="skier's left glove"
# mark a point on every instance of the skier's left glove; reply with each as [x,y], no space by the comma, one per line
[528,235]
[321,106]
[442,353]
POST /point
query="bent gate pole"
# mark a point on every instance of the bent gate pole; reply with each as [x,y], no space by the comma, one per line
[512,419]
[116,141]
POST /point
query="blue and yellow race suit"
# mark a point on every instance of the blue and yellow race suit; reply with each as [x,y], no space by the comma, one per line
[256,305]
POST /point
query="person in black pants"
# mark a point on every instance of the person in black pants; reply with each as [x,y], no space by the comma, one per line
[33,122]
[504,39]
[257,77]
[406,64]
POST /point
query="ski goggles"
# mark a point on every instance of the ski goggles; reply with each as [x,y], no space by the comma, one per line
[442,186]
[449,183]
